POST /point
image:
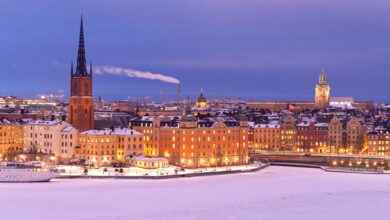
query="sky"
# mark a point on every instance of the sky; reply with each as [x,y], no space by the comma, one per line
[249,49]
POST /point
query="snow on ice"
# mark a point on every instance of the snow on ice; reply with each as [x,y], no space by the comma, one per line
[274,193]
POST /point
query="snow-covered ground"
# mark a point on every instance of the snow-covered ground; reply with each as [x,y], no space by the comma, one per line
[134,171]
[273,193]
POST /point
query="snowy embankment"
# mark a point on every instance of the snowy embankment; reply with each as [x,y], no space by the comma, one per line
[273,193]
[134,172]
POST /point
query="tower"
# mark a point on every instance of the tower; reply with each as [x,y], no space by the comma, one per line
[81,109]
[322,92]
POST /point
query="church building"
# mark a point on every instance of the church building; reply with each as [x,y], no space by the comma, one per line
[81,108]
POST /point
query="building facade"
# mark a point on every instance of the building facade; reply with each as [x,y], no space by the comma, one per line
[336,135]
[288,132]
[11,139]
[379,142]
[104,147]
[312,137]
[266,136]
[192,142]
[53,138]
[355,136]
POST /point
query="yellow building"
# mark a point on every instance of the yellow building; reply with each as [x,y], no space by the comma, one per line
[11,139]
[104,147]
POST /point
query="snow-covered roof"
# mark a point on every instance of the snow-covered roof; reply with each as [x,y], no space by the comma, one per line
[67,129]
[267,126]
[152,159]
[118,131]
[45,122]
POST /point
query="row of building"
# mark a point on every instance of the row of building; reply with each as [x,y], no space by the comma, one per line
[62,143]
[186,141]
[329,134]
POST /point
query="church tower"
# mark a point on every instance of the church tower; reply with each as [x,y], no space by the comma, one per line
[322,94]
[81,109]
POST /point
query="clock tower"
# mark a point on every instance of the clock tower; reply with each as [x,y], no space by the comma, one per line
[81,108]
[322,92]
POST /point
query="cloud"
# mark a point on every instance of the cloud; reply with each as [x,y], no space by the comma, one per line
[135,73]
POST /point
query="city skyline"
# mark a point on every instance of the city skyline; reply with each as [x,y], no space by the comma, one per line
[257,62]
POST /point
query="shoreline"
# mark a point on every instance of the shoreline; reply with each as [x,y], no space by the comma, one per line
[170,176]
[224,172]
[328,169]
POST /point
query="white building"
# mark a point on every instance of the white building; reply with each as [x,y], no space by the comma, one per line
[55,138]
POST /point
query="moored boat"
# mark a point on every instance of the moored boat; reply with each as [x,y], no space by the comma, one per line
[26,172]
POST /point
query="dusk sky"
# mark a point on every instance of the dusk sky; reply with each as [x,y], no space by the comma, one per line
[253,49]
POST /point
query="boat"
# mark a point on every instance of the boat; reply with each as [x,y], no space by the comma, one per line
[33,171]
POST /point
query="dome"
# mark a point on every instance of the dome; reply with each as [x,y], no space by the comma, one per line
[201,97]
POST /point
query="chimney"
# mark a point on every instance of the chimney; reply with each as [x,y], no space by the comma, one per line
[179,92]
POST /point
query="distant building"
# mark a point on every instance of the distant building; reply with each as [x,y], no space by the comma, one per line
[124,106]
[100,103]
[81,108]
[322,92]
[342,102]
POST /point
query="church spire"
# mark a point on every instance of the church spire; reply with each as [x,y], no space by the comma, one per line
[322,78]
[90,69]
[71,69]
[81,69]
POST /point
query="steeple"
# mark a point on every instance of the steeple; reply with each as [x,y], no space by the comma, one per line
[71,69]
[90,69]
[322,78]
[81,69]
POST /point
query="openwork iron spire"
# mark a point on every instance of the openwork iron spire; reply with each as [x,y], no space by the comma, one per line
[81,69]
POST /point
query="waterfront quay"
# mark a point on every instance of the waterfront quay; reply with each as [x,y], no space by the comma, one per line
[330,160]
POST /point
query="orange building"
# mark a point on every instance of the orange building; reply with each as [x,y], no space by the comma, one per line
[192,142]
[81,108]
[266,136]
[11,139]
[103,147]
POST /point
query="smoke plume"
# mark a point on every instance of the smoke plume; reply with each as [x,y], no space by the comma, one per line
[135,73]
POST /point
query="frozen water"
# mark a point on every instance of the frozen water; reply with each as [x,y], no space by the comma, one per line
[274,193]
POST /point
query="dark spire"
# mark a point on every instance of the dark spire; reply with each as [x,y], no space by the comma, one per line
[71,69]
[81,69]
[90,69]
